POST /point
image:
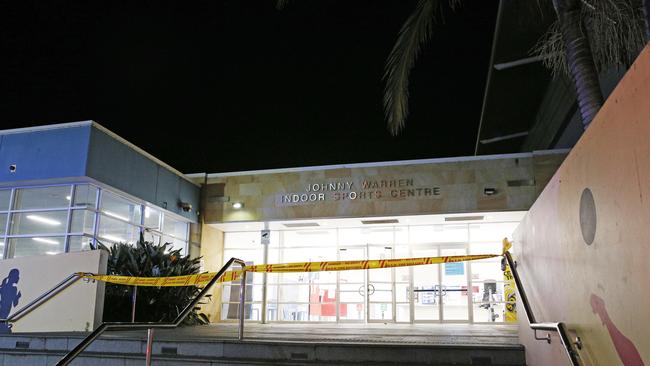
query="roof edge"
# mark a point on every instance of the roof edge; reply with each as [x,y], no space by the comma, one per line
[379,164]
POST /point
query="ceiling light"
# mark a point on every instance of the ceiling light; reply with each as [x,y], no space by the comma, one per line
[43,220]
[47,241]
[381,221]
[113,238]
[68,198]
[301,224]
[463,218]
[113,214]
[51,253]
[237,205]
[147,212]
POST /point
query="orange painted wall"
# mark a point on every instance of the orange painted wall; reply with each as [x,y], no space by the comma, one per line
[568,280]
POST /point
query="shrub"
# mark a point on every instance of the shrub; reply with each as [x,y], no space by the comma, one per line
[154,304]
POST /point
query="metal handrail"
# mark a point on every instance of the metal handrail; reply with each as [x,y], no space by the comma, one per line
[43,298]
[558,327]
[151,325]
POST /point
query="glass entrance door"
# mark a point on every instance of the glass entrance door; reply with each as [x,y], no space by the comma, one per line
[380,288]
[367,295]
[352,287]
[440,290]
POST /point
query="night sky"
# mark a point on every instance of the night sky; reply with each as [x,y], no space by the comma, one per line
[236,85]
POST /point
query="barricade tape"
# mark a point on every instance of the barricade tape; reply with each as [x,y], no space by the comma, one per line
[204,278]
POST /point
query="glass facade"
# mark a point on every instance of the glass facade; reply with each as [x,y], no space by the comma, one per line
[63,218]
[470,292]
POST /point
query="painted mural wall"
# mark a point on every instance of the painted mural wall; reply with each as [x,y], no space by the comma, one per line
[502,183]
[583,248]
[78,308]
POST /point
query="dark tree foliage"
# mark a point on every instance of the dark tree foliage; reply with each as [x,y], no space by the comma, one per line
[154,304]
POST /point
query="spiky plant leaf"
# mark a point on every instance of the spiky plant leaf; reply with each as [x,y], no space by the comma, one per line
[154,304]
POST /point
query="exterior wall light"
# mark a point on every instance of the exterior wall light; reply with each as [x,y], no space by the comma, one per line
[237,205]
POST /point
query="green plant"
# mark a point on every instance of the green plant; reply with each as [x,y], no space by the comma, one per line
[154,304]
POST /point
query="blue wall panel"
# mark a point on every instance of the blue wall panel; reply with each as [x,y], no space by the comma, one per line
[167,189]
[192,194]
[46,154]
[116,164]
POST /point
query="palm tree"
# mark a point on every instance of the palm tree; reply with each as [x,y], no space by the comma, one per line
[616,34]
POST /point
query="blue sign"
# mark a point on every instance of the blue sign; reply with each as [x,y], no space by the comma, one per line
[454,269]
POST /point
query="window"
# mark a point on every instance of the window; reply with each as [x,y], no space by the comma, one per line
[54,219]
[5,196]
[44,197]
[120,208]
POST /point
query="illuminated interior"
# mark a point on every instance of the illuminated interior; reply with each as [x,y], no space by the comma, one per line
[420,294]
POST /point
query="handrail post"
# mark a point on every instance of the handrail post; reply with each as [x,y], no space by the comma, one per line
[134,299]
[149,346]
[242,304]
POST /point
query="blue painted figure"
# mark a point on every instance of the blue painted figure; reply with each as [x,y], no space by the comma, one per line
[9,296]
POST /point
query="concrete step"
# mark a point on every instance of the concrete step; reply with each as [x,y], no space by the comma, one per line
[45,350]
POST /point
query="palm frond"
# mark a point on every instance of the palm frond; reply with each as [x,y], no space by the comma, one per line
[281,4]
[616,34]
[414,33]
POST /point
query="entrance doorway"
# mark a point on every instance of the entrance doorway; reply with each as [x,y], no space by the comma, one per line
[440,291]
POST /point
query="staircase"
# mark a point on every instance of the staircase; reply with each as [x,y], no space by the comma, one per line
[192,348]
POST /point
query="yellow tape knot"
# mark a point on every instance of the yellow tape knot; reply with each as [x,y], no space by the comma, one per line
[507,245]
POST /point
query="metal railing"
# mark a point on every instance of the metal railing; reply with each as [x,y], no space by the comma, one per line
[150,326]
[559,327]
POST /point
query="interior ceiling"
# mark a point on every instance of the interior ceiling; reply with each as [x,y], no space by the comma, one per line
[311,224]
[514,94]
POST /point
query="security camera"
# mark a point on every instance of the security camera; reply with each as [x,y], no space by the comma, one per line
[12,168]
[185,206]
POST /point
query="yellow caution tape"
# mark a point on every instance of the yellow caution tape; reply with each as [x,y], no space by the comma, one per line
[203,278]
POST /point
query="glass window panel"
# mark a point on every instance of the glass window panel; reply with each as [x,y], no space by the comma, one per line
[2,248]
[43,197]
[352,312]
[242,239]
[120,208]
[352,293]
[438,234]
[5,196]
[116,231]
[85,195]
[151,237]
[403,313]
[174,227]
[24,247]
[231,311]
[293,312]
[487,269]
[381,311]
[317,237]
[79,243]
[489,313]
[152,218]
[402,292]
[491,232]
[294,293]
[230,292]
[82,221]
[48,222]
[175,244]
[3,223]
